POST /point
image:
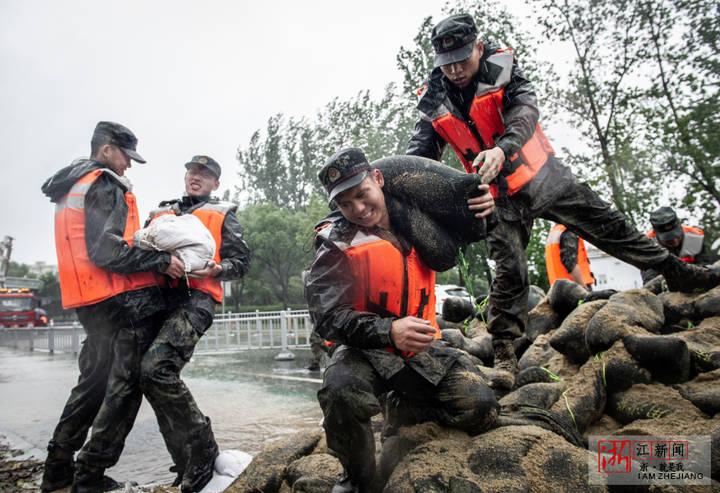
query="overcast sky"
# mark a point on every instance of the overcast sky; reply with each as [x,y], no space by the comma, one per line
[188,77]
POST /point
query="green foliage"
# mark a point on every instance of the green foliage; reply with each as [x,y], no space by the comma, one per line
[49,293]
[535,252]
[19,270]
[280,242]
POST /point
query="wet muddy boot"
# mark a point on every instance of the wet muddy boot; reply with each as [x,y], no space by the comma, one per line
[200,465]
[90,479]
[59,469]
[345,485]
[505,365]
[681,276]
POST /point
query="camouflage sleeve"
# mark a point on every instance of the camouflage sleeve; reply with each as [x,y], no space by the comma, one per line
[329,293]
[520,113]
[568,250]
[234,252]
[105,217]
[425,141]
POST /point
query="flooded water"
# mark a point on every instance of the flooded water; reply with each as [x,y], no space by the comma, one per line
[251,399]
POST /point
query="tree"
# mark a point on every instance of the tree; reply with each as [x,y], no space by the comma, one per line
[49,293]
[19,270]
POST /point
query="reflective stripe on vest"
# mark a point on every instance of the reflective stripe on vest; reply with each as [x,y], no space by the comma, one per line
[555,268]
[212,216]
[82,282]
[486,119]
[692,243]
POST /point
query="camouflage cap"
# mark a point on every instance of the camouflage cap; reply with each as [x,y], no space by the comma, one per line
[453,39]
[666,224]
[205,161]
[345,169]
[119,135]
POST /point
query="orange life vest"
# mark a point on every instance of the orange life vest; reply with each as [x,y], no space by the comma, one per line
[555,269]
[692,243]
[212,215]
[486,125]
[82,282]
[387,282]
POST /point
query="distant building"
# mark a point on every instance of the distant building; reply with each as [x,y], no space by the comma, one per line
[41,267]
[611,273]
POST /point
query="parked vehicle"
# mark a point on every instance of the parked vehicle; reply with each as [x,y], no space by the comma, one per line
[19,308]
[444,291]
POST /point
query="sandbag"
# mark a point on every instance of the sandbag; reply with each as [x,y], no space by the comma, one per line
[538,354]
[564,296]
[541,320]
[667,358]
[456,309]
[569,338]
[703,391]
[438,190]
[184,236]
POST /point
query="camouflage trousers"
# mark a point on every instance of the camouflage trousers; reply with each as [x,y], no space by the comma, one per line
[585,214]
[182,424]
[351,395]
[122,396]
[94,362]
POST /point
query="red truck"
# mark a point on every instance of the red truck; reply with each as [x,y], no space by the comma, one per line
[19,308]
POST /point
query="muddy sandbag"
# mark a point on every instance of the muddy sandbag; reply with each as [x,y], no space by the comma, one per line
[703,391]
[569,338]
[267,469]
[396,447]
[481,347]
[656,285]
[541,320]
[678,306]
[651,401]
[603,294]
[606,425]
[476,328]
[454,338]
[535,296]
[632,312]
[564,296]
[708,304]
[456,309]
[620,370]
[438,190]
[704,344]
[511,458]
[667,358]
[583,400]
[539,352]
[436,245]
[533,374]
[316,473]
[542,395]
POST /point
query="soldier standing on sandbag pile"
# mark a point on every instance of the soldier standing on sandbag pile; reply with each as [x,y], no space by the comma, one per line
[566,257]
[370,292]
[477,100]
[116,294]
[686,242]
[186,431]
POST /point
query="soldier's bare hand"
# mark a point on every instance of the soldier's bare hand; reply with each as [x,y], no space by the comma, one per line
[412,334]
[489,162]
[176,268]
[211,270]
[484,204]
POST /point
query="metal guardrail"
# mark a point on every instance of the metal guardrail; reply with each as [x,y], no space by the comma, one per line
[283,330]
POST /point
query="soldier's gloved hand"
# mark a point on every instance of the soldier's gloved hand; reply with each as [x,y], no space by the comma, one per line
[176,268]
[211,270]
[489,163]
[412,334]
[484,204]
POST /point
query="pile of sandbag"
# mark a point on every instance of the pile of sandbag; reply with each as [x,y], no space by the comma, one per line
[627,363]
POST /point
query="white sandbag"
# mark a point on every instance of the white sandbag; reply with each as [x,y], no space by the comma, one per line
[228,466]
[184,236]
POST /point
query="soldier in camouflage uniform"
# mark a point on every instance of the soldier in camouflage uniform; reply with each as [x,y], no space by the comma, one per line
[186,431]
[369,292]
[478,100]
[107,214]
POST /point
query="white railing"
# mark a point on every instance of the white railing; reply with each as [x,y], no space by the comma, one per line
[283,329]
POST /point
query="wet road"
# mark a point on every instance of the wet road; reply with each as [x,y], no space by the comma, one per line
[250,398]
